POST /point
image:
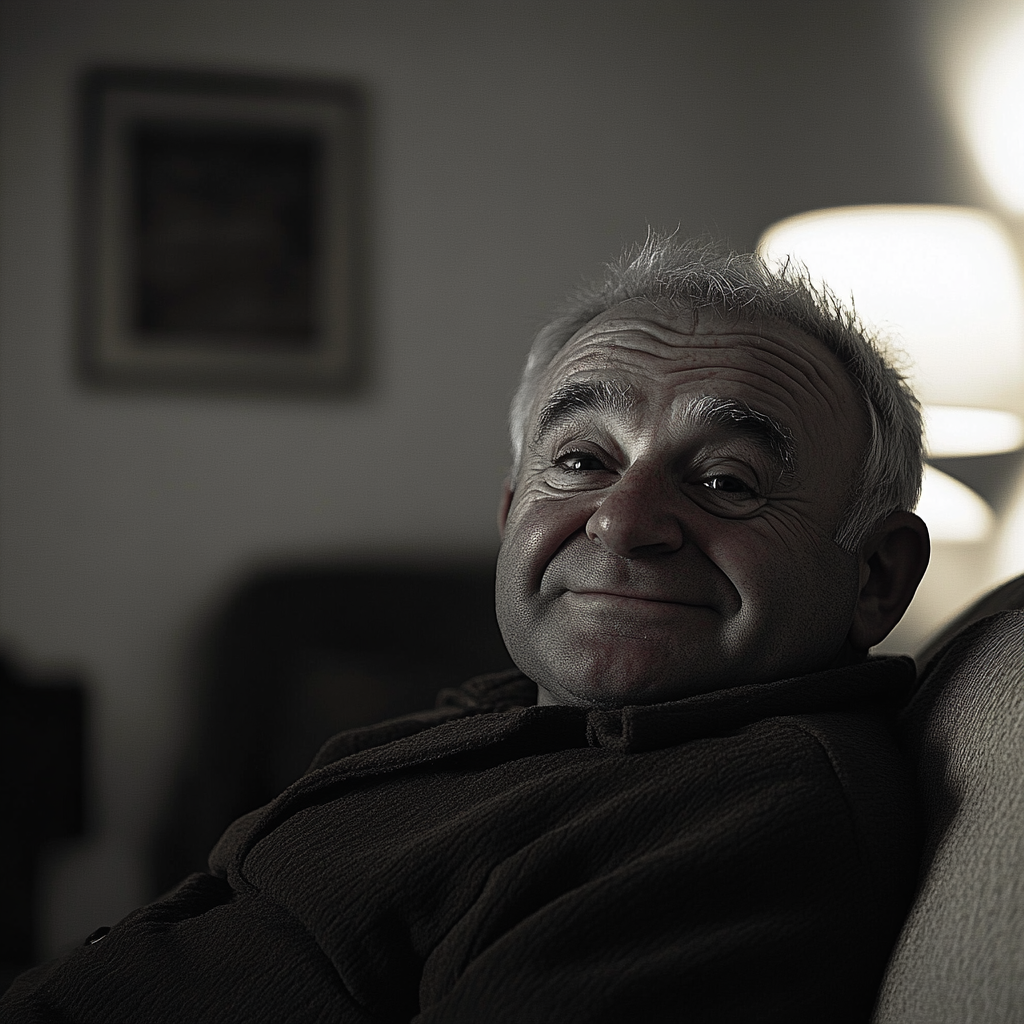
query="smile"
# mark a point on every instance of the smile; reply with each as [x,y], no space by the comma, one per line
[633,600]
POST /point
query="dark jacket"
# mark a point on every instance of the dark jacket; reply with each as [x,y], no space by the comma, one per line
[744,855]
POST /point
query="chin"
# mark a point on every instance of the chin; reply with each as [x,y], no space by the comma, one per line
[608,688]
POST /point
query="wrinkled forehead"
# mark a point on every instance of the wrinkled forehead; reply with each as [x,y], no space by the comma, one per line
[643,326]
[644,314]
[771,365]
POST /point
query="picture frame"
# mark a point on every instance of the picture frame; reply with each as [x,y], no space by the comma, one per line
[221,235]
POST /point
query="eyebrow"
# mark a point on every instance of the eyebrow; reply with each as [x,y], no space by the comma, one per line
[735,416]
[726,414]
[575,396]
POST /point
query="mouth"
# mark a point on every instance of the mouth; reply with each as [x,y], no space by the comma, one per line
[626,597]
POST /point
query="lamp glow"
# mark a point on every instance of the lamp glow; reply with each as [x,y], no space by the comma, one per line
[952,510]
[943,284]
[993,122]
[952,431]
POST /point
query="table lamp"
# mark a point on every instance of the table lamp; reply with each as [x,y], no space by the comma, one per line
[941,285]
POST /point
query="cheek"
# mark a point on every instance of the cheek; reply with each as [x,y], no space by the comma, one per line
[776,570]
[537,528]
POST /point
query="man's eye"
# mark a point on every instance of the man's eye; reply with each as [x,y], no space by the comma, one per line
[728,485]
[580,462]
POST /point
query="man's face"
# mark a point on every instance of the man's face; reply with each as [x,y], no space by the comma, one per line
[671,528]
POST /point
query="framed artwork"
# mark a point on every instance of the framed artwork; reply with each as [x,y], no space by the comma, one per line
[220,230]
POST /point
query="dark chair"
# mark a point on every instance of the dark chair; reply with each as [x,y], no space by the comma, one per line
[300,653]
[42,796]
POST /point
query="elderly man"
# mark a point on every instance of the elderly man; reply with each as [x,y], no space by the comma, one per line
[688,806]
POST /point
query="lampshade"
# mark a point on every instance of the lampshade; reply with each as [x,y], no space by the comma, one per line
[940,283]
[952,510]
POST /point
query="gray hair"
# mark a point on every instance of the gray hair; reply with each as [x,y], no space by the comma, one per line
[684,278]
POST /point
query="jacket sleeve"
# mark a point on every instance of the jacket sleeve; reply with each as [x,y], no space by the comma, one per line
[202,954]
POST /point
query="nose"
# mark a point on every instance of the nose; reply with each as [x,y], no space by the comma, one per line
[638,517]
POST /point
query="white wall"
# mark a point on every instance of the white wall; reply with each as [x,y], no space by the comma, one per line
[513,148]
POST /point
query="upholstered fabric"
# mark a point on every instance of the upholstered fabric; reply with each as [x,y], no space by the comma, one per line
[960,957]
[1003,598]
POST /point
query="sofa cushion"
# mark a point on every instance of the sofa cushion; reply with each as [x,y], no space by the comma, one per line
[960,956]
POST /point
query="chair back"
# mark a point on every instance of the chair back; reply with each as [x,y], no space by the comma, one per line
[300,652]
[960,956]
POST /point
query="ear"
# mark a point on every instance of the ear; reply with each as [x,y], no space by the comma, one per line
[892,561]
[504,505]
